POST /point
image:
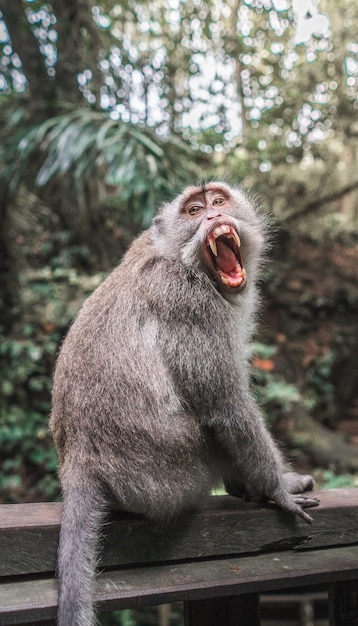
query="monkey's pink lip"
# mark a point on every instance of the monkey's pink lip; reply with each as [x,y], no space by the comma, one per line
[223,257]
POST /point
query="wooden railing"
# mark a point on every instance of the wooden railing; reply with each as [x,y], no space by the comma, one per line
[217,561]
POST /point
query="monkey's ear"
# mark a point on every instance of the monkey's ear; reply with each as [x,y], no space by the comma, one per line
[158,225]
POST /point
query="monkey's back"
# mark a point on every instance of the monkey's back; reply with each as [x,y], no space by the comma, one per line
[116,408]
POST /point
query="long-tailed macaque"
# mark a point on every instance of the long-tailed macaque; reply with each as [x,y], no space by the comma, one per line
[151,402]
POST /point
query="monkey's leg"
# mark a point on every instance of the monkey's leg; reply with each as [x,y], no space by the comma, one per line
[82,514]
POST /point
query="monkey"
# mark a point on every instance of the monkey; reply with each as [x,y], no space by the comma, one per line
[152,403]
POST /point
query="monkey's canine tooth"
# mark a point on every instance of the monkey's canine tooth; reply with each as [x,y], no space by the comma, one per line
[213,247]
[236,238]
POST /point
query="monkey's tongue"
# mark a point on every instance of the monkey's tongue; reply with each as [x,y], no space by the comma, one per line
[226,259]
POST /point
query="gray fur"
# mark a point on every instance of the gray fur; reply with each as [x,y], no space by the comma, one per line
[151,399]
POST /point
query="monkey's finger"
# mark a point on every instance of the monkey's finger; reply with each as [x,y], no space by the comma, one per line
[305,502]
[307,518]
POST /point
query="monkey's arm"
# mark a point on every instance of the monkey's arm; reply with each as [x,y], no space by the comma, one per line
[257,465]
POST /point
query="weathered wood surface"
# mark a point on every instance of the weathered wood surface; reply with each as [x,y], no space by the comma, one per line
[226,549]
[224,526]
[144,586]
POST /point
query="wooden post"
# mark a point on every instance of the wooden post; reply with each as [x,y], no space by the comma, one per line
[343,603]
[241,610]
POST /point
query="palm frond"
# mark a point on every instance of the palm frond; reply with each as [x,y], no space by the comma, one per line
[84,145]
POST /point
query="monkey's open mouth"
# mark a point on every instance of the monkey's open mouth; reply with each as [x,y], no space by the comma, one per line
[225,258]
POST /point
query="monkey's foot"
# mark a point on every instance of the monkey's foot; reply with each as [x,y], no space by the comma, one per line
[297,483]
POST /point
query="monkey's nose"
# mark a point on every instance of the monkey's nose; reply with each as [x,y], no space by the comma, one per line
[211,215]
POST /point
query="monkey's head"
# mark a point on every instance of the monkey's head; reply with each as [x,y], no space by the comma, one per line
[215,229]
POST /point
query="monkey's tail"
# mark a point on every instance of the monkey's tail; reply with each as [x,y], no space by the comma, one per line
[82,516]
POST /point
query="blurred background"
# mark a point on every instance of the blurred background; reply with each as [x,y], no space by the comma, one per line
[108,109]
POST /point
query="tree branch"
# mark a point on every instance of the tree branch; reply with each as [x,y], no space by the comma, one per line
[316,204]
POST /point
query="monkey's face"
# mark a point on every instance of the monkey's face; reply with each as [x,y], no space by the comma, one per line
[215,229]
[210,212]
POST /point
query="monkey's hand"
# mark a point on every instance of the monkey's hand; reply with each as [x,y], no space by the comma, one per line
[297,483]
[294,503]
[287,496]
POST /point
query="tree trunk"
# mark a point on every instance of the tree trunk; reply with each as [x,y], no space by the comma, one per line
[9,284]
[77,48]
[42,92]
[325,448]
[41,104]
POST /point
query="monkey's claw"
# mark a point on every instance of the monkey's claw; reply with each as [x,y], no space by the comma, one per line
[305,502]
[307,518]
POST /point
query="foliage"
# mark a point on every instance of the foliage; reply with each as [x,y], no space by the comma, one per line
[257,85]
[332,481]
[86,147]
[113,112]
[122,618]
[144,617]
[265,78]
[319,384]
[28,462]
[273,392]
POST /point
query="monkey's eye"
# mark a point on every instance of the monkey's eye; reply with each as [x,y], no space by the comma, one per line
[194,209]
[218,201]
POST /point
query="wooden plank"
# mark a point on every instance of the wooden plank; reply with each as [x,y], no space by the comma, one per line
[31,515]
[223,526]
[29,537]
[343,603]
[177,582]
[236,610]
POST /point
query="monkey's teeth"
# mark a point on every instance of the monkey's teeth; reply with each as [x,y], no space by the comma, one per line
[236,238]
[234,282]
[230,282]
[222,230]
[225,229]
[213,247]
